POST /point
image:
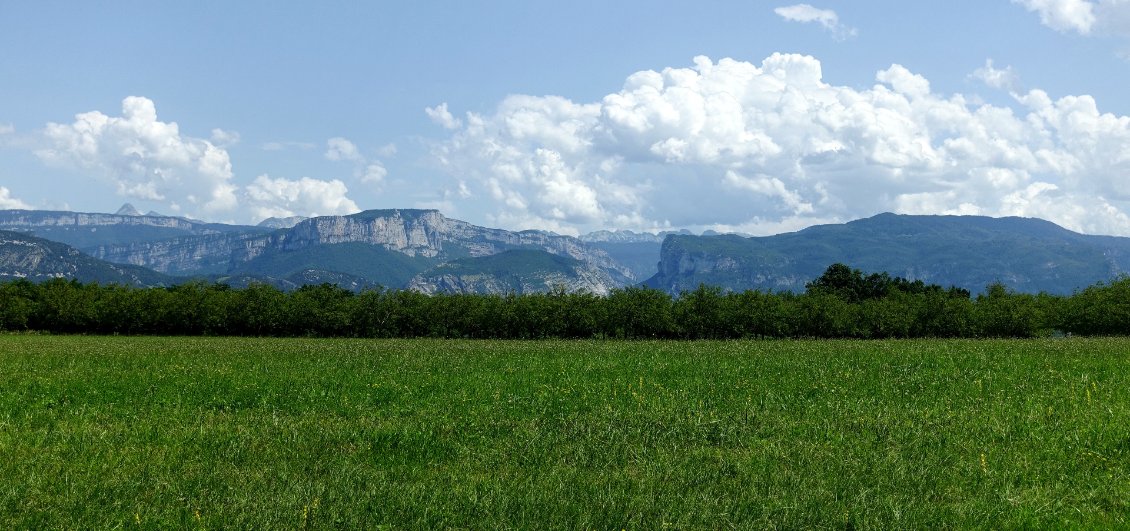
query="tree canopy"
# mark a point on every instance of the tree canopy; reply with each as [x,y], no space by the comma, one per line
[841,303]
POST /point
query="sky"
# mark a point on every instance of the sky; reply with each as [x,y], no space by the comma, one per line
[748,116]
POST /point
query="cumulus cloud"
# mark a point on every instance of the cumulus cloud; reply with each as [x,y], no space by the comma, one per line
[269,197]
[374,173]
[148,159]
[805,13]
[224,138]
[338,148]
[7,129]
[999,78]
[369,171]
[760,147]
[771,187]
[144,157]
[1063,15]
[9,202]
[1085,17]
[440,115]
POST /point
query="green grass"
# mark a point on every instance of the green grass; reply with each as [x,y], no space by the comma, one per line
[115,432]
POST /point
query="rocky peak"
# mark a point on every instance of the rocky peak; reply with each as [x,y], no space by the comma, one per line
[281,223]
[127,210]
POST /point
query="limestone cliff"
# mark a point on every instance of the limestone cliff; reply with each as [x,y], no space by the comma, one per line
[87,231]
[415,233]
[515,272]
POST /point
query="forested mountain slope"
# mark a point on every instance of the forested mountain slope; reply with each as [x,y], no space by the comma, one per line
[37,259]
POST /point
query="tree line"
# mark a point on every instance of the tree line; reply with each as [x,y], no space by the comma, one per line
[842,303]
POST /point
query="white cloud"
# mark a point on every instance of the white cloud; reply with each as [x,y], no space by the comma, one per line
[805,13]
[144,158]
[338,148]
[440,115]
[224,138]
[733,144]
[365,170]
[375,172]
[7,129]
[1085,17]
[150,160]
[771,187]
[998,78]
[9,202]
[1063,15]
[308,197]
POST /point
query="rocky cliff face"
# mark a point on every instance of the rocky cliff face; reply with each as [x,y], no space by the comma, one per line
[589,280]
[204,254]
[42,218]
[88,231]
[429,233]
[515,272]
[425,233]
[728,261]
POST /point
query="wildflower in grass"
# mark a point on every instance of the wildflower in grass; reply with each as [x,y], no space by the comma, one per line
[984,464]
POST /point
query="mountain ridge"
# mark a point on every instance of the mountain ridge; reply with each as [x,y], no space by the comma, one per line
[425,250]
[87,230]
[971,252]
[37,259]
[416,233]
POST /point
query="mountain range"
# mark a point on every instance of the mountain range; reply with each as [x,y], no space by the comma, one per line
[391,248]
[971,252]
[425,251]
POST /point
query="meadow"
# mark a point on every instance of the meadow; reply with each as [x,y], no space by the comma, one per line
[158,432]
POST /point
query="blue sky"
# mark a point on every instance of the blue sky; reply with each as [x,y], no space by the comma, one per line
[750,116]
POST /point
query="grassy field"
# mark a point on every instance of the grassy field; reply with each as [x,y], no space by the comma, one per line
[117,432]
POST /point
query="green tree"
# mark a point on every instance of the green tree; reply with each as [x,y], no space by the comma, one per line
[1001,312]
[18,300]
[637,312]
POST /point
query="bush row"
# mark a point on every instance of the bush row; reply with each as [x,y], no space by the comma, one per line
[60,306]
